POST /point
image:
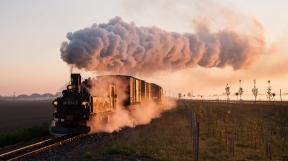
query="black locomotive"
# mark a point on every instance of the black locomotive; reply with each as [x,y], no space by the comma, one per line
[84,100]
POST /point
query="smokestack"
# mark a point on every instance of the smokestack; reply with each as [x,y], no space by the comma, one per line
[122,47]
[76,81]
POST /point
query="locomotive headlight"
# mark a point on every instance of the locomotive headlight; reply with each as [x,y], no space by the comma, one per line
[84,103]
[69,87]
[55,103]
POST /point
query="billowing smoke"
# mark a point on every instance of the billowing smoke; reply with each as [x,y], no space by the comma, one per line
[140,114]
[121,47]
[123,116]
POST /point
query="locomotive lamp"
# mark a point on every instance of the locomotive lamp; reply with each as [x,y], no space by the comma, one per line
[84,103]
[55,103]
[69,87]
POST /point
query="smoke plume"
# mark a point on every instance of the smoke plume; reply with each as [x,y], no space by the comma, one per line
[139,114]
[126,48]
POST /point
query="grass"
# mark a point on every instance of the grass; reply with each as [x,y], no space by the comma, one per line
[88,155]
[119,149]
[169,138]
[248,128]
[24,134]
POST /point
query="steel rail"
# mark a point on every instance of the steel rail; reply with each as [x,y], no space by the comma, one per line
[37,148]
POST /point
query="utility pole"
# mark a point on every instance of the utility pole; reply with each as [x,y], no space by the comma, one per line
[280,95]
[195,135]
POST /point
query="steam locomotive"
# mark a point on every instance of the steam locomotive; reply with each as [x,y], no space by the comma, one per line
[85,100]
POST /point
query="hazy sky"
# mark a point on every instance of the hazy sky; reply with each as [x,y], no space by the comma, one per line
[32,31]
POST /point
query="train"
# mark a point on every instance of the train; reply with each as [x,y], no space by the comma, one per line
[96,97]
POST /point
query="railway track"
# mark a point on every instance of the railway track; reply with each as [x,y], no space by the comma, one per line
[37,148]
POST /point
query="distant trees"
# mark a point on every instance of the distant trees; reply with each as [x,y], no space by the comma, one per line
[255,90]
[237,94]
[227,90]
[269,92]
[179,95]
[34,96]
[241,91]
[182,95]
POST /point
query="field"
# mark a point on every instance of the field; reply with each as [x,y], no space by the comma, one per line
[24,114]
[242,132]
[227,133]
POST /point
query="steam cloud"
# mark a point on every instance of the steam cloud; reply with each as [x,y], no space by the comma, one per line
[125,48]
[138,114]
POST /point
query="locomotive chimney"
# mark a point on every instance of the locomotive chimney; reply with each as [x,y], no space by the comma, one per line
[76,81]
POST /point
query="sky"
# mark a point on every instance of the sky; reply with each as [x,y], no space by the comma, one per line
[31,33]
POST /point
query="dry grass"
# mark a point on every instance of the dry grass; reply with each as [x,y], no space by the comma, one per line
[166,138]
[169,137]
[23,135]
[249,127]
